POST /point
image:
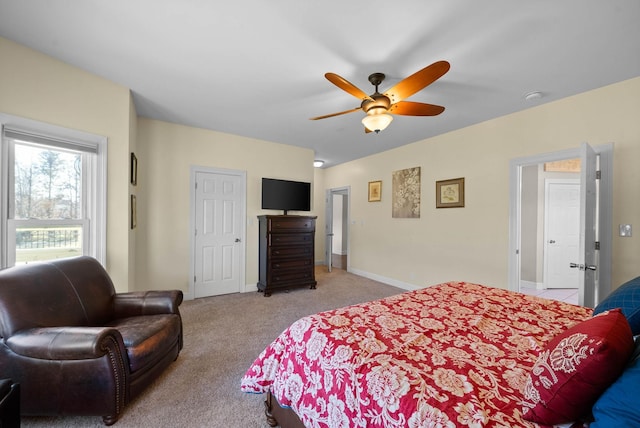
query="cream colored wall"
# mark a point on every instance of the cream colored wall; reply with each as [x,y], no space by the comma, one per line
[471,243]
[467,243]
[166,152]
[319,195]
[38,87]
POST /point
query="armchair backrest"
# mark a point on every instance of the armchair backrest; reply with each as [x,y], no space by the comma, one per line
[67,292]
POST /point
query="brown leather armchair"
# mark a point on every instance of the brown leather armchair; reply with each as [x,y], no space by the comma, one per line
[75,346]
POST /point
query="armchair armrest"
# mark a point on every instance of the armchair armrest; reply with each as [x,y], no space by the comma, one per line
[147,303]
[65,343]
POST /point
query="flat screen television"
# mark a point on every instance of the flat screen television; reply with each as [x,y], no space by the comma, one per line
[286,195]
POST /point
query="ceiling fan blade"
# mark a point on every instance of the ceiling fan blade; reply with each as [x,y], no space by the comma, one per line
[335,114]
[417,81]
[410,108]
[347,86]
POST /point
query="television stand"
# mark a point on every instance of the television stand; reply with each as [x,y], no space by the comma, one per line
[286,252]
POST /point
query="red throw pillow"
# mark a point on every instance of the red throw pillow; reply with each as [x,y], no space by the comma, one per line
[576,367]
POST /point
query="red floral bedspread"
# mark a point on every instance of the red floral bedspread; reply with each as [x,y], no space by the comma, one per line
[452,355]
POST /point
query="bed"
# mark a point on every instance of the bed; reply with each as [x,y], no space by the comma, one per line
[454,354]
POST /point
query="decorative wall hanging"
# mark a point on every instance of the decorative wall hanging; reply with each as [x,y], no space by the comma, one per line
[406,193]
[375,191]
[450,193]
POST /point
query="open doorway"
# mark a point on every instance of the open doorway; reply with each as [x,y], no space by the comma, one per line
[339,239]
[337,229]
[550,229]
[529,242]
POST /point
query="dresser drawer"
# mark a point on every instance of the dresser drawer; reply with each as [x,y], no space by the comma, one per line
[293,224]
[291,277]
[279,239]
[282,265]
[300,251]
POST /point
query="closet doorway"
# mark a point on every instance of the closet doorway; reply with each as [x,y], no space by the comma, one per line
[217,230]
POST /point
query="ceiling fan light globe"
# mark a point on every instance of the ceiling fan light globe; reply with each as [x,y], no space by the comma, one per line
[377,122]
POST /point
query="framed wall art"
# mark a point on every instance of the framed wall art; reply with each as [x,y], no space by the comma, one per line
[406,193]
[450,193]
[375,191]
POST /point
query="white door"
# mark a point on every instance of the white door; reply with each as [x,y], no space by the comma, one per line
[587,264]
[561,232]
[218,233]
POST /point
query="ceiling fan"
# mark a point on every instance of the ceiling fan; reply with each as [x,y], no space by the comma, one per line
[379,107]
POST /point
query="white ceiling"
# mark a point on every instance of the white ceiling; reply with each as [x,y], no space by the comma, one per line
[256,68]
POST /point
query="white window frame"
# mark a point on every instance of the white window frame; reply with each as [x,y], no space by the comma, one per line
[94,242]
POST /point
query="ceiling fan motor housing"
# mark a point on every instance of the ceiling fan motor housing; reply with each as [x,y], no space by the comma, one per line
[378,104]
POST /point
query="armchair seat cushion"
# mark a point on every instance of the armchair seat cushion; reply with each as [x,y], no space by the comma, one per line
[148,338]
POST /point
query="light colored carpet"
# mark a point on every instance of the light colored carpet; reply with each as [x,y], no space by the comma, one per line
[222,337]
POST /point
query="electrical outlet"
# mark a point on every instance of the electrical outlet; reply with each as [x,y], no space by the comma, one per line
[625,230]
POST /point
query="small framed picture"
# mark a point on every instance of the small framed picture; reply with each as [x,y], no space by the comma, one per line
[450,193]
[375,191]
[134,169]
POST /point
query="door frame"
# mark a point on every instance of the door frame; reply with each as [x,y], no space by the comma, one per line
[345,191]
[605,217]
[194,170]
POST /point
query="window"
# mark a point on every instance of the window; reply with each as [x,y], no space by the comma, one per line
[52,193]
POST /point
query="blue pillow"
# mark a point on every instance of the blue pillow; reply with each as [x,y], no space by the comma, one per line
[627,298]
[618,405]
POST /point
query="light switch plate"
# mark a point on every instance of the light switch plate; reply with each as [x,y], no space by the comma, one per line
[625,230]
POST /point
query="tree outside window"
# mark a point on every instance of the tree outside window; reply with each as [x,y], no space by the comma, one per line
[47,188]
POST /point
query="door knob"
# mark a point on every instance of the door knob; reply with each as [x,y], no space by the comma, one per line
[237,239]
[551,241]
[583,267]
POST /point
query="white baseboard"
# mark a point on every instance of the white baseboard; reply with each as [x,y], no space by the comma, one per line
[385,280]
[532,285]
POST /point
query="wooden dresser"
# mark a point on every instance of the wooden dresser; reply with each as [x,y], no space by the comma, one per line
[286,257]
